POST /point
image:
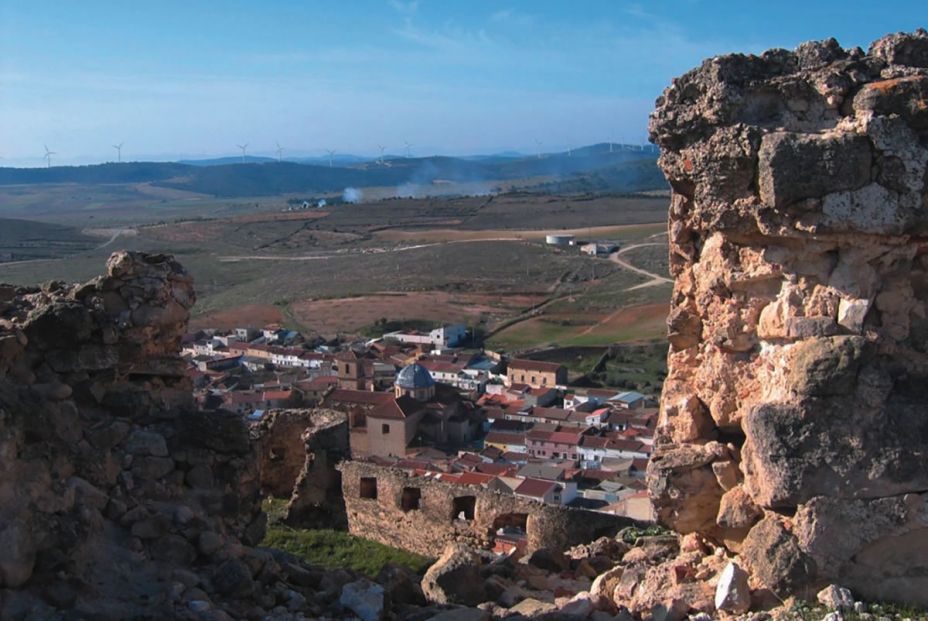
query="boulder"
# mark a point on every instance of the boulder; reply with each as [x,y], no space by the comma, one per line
[836,598]
[19,552]
[364,598]
[455,578]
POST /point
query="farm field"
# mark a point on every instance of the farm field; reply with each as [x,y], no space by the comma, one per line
[339,270]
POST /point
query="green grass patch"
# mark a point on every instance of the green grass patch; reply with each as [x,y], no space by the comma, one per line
[635,367]
[334,549]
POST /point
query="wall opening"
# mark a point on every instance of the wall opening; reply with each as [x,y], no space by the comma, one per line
[385,428]
[463,508]
[368,488]
[509,534]
[409,501]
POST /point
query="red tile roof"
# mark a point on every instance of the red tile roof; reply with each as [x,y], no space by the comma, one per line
[497,437]
[396,409]
[535,488]
[474,478]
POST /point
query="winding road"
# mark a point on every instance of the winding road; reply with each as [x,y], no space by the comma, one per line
[655,279]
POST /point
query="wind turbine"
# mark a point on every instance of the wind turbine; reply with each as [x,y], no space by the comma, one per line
[610,147]
[539,143]
[242,147]
[48,156]
[568,151]
[280,151]
[118,148]
[382,149]
[331,152]
[408,144]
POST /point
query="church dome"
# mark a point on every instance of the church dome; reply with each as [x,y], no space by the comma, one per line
[413,377]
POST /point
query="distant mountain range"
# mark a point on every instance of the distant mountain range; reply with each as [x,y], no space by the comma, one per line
[600,167]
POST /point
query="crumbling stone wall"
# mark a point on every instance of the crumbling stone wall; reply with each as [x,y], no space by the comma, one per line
[379,503]
[117,499]
[316,500]
[794,418]
[281,447]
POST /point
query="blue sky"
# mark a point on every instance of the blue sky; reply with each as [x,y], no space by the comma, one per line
[195,78]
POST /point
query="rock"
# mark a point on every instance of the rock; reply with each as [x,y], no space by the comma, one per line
[547,560]
[18,557]
[580,605]
[208,542]
[462,614]
[364,598]
[233,579]
[400,585]
[732,593]
[454,578]
[173,549]
[836,598]
[799,316]
[773,557]
[142,442]
[737,509]
[601,592]
[198,605]
[531,608]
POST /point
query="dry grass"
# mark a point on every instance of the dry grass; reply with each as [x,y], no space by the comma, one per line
[331,316]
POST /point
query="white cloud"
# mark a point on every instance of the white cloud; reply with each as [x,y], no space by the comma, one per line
[406,8]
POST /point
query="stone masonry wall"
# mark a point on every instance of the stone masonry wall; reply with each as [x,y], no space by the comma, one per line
[118,500]
[794,422]
[427,529]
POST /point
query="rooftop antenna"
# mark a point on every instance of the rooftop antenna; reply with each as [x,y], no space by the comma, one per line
[242,147]
[280,151]
[48,156]
[408,144]
[539,143]
[118,148]
[382,149]
[331,152]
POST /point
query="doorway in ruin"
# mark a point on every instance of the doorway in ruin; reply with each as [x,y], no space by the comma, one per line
[509,534]
[462,508]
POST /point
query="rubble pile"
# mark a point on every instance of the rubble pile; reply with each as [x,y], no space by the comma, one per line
[794,419]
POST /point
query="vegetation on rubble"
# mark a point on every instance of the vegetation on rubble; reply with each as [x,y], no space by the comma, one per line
[334,549]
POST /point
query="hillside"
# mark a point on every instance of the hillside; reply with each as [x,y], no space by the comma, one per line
[621,170]
[24,239]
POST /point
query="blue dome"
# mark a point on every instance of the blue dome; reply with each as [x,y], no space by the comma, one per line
[414,376]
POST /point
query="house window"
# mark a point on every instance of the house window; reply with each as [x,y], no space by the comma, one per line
[523,378]
[463,508]
[533,380]
[368,488]
[410,499]
[385,429]
[346,368]
[544,380]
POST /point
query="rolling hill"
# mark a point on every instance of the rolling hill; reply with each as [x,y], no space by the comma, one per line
[613,170]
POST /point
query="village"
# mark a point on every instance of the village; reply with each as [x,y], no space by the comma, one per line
[428,404]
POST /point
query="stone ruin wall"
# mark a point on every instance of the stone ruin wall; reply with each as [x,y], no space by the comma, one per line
[794,420]
[117,498]
[426,530]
